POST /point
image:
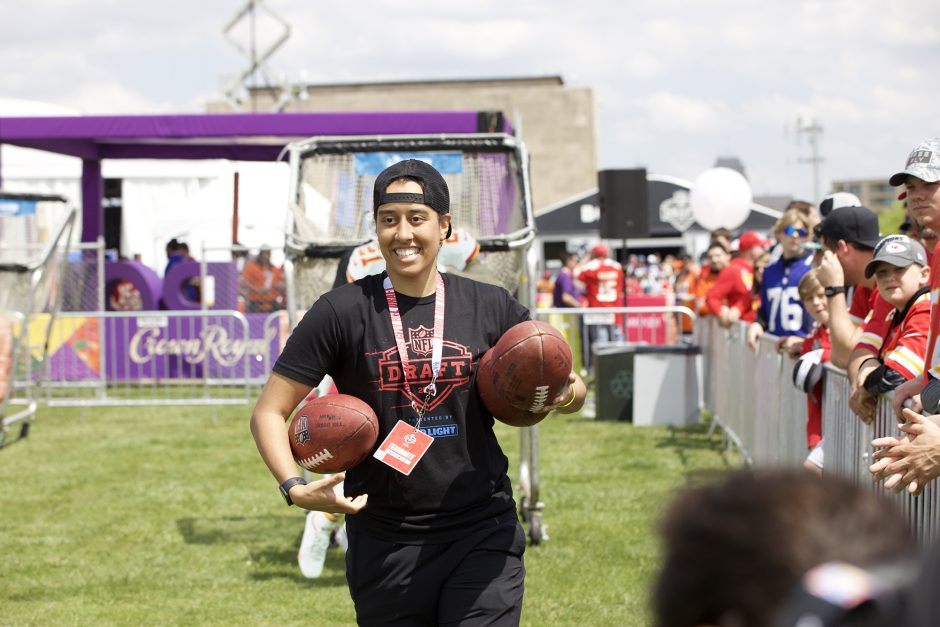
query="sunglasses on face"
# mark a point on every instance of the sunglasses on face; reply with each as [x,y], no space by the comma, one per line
[792,231]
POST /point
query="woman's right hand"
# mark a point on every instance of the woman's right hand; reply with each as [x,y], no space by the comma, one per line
[319,496]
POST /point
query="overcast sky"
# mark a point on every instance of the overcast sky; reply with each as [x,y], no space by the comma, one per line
[676,83]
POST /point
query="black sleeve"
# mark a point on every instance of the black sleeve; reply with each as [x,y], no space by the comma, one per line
[516,311]
[311,349]
[883,379]
[340,278]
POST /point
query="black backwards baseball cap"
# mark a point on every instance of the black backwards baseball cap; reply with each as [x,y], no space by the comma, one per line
[923,162]
[897,250]
[435,193]
[857,225]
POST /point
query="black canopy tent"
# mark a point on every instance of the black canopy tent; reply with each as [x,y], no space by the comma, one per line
[667,203]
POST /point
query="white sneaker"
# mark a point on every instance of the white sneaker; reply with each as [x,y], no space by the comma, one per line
[342,541]
[314,543]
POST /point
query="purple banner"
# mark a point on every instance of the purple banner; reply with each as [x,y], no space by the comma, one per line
[155,346]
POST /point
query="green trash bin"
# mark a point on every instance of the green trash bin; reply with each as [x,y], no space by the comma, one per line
[647,384]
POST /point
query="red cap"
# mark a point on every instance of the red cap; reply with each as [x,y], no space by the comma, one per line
[600,250]
[752,238]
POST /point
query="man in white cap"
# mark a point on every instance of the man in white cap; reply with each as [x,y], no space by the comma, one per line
[913,461]
[921,180]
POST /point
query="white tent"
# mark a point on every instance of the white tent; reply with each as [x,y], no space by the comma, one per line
[192,201]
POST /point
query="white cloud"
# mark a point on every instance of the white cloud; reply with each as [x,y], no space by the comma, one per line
[112,98]
[702,78]
[674,113]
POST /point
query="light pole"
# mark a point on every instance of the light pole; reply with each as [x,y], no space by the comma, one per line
[812,130]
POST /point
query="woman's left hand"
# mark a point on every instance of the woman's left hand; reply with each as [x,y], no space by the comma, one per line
[571,398]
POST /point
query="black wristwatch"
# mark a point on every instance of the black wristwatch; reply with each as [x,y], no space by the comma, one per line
[290,483]
[832,290]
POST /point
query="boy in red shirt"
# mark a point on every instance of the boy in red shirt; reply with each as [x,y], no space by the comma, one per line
[808,371]
[899,266]
[732,297]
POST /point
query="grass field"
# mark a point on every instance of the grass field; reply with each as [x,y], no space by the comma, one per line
[167,516]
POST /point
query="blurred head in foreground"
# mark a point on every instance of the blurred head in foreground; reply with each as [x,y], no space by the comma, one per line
[736,550]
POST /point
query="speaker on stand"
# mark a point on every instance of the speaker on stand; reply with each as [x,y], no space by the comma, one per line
[623,200]
[623,203]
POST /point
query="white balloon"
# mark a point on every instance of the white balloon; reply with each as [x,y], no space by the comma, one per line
[720,198]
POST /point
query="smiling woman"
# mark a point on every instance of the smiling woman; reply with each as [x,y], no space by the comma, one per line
[410,236]
[408,343]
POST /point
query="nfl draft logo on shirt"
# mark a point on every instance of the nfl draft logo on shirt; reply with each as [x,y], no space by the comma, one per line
[421,340]
[455,368]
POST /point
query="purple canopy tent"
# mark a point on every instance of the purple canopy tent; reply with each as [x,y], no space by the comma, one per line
[239,137]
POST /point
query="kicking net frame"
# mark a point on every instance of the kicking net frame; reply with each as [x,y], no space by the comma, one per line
[33,258]
[330,215]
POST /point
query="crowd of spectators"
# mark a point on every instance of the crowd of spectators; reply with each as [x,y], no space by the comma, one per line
[770,548]
[262,284]
[830,287]
[261,287]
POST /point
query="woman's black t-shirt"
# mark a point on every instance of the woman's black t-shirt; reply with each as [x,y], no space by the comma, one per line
[461,483]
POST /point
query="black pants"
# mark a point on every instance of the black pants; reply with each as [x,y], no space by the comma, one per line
[476,580]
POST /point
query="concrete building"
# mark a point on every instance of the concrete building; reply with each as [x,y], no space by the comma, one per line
[876,194]
[557,122]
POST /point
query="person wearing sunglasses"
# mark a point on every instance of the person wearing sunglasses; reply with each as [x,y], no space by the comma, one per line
[781,311]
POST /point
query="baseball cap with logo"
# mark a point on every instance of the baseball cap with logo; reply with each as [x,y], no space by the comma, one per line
[858,225]
[923,162]
[897,250]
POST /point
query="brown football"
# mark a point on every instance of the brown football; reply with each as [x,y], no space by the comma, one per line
[333,433]
[526,369]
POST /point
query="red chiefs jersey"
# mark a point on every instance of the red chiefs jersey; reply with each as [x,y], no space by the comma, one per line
[734,288]
[819,338]
[603,283]
[906,343]
[863,302]
[870,311]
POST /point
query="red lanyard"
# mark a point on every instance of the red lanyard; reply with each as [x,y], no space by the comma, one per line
[437,345]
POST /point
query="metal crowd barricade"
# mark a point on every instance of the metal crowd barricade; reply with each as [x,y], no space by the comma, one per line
[650,325]
[849,451]
[647,325]
[569,320]
[753,400]
[750,397]
[152,358]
